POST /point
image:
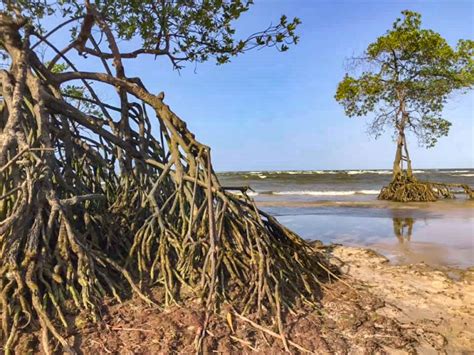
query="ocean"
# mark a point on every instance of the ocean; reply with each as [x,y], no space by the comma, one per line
[332,184]
[341,206]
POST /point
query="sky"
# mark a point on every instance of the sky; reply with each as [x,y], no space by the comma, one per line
[276,111]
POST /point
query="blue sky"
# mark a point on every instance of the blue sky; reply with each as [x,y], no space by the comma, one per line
[271,111]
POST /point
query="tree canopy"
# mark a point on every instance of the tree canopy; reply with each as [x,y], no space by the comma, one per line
[182,30]
[403,81]
[405,78]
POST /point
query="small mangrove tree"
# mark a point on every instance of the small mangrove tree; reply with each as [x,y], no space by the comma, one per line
[403,80]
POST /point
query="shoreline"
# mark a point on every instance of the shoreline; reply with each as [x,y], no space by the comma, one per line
[437,301]
[447,206]
[438,233]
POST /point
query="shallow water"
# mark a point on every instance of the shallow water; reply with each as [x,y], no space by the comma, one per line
[341,207]
[404,236]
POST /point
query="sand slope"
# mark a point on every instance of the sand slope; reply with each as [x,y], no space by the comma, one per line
[437,303]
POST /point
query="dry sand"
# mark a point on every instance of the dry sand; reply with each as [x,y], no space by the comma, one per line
[437,302]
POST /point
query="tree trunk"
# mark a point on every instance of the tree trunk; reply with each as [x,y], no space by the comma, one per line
[402,145]
[404,187]
[401,155]
[397,163]
[407,158]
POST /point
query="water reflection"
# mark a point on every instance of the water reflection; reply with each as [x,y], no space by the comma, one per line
[393,233]
[421,248]
[403,228]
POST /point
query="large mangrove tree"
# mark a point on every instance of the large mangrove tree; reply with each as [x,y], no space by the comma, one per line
[94,205]
[403,80]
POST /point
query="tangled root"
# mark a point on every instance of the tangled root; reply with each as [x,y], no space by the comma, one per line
[405,188]
[93,205]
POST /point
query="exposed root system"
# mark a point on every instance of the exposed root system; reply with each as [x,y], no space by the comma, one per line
[406,188]
[93,205]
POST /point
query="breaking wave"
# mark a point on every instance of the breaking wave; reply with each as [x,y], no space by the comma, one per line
[358,172]
[249,193]
[263,174]
[453,171]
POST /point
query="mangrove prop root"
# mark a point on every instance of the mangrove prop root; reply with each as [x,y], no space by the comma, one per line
[93,205]
[406,188]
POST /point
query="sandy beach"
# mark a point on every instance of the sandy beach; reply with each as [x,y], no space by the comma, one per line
[438,302]
[410,291]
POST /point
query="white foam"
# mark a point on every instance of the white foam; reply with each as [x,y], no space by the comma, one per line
[467,175]
[379,172]
[249,193]
[331,172]
[368,192]
[357,172]
[328,193]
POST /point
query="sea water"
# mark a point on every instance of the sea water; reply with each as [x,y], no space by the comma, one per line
[341,206]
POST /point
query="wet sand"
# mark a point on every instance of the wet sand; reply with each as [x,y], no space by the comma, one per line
[437,233]
[424,273]
[458,206]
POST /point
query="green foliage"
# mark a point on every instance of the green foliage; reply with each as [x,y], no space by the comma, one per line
[182,30]
[411,73]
